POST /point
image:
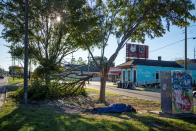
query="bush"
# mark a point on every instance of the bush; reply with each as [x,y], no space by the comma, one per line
[57,90]
[38,91]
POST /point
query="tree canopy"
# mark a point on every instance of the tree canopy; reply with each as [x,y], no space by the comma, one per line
[52,27]
[60,27]
[135,20]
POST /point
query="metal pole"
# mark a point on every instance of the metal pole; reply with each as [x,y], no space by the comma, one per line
[194,53]
[26,43]
[88,65]
[14,69]
[185,62]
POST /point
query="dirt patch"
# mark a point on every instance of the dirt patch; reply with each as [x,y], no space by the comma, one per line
[72,105]
[138,104]
[80,104]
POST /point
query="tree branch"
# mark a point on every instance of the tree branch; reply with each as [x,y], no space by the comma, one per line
[92,56]
[123,40]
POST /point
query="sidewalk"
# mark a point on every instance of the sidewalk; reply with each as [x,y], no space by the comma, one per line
[3,83]
[111,84]
[2,95]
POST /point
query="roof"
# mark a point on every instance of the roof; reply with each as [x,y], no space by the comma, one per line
[150,63]
[190,66]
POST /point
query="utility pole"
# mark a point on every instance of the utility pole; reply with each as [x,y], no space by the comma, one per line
[88,65]
[26,46]
[185,62]
[12,69]
[185,42]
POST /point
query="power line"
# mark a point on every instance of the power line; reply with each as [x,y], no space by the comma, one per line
[173,43]
[191,25]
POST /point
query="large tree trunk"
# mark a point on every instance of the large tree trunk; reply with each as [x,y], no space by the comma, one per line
[103,86]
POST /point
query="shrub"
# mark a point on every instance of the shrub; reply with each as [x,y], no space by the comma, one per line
[39,91]
[36,91]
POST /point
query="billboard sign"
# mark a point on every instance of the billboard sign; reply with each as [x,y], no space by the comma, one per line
[136,51]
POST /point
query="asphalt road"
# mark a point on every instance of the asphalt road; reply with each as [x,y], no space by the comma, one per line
[146,95]
[3,82]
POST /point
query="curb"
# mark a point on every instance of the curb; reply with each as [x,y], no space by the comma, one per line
[3,96]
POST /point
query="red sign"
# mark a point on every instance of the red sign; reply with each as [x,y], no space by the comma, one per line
[114,71]
[136,51]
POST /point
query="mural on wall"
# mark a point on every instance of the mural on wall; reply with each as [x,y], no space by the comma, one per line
[182,99]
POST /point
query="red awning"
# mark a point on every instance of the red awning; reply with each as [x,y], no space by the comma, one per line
[114,71]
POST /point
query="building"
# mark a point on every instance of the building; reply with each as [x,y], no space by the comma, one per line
[84,70]
[192,68]
[144,71]
[114,74]
[139,70]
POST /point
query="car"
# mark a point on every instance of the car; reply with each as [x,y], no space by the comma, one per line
[1,77]
[194,94]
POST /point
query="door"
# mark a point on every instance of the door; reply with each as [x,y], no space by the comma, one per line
[134,76]
[157,76]
[129,75]
[123,76]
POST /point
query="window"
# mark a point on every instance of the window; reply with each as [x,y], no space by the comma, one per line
[157,75]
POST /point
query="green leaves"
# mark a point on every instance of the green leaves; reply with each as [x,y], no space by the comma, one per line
[136,20]
[48,36]
[56,29]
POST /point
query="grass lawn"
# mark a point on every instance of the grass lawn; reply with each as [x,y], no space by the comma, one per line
[138,104]
[15,116]
[195,109]
[15,80]
[149,89]
[18,117]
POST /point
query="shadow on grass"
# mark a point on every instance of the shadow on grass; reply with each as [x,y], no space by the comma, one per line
[45,118]
[157,90]
[42,117]
[155,122]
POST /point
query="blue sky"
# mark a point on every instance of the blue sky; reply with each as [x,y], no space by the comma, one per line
[172,52]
